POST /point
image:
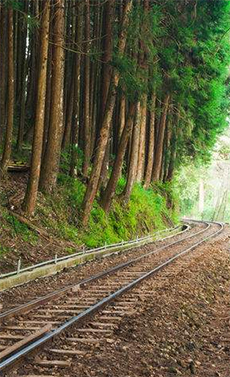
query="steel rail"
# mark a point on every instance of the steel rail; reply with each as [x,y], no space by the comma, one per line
[83,252]
[41,301]
[44,299]
[103,302]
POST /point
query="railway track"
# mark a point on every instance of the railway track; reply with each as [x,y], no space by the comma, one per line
[69,323]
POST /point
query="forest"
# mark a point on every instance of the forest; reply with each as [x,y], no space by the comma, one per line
[114,188]
[109,94]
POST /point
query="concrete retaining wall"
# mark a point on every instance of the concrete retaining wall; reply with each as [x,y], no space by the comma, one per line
[52,269]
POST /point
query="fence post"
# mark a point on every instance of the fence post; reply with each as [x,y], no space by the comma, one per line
[19,265]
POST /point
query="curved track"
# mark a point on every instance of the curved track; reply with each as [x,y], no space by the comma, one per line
[30,327]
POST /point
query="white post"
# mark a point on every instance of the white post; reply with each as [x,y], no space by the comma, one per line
[19,265]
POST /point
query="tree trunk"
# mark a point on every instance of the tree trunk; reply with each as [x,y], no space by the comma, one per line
[172,159]
[104,133]
[10,100]
[3,70]
[122,114]
[107,48]
[141,153]
[69,116]
[160,140]
[50,163]
[22,97]
[132,171]
[77,86]
[87,131]
[111,186]
[32,187]
[150,157]
[48,95]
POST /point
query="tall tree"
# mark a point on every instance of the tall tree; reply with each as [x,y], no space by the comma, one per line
[160,140]
[116,172]
[77,87]
[32,187]
[87,131]
[3,69]
[50,163]
[107,49]
[10,98]
[132,170]
[151,147]
[104,133]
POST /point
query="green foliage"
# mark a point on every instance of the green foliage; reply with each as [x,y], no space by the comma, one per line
[31,21]
[186,50]
[15,4]
[4,250]
[66,157]
[17,228]
[146,211]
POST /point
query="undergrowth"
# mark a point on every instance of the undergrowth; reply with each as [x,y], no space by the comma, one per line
[147,210]
[15,228]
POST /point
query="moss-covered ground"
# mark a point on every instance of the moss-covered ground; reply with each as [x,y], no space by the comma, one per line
[58,217]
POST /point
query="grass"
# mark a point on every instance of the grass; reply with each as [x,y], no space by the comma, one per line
[16,228]
[147,211]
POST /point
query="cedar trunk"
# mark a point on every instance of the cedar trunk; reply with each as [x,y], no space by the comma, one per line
[133,157]
[104,133]
[3,69]
[116,172]
[10,100]
[32,187]
[160,140]
[141,154]
[150,157]
[51,158]
[77,84]
[87,131]
[107,47]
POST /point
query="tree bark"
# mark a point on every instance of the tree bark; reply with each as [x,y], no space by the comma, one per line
[104,133]
[77,86]
[141,153]
[122,114]
[32,187]
[132,171]
[50,163]
[160,140]
[3,70]
[172,159]
[150,157]
[107,48]
[116,172]
[87,131]
[10,100]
